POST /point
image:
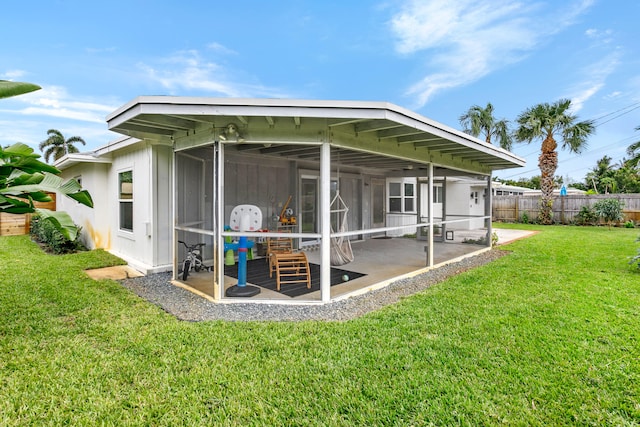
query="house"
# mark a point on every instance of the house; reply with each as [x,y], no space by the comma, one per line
[184,163]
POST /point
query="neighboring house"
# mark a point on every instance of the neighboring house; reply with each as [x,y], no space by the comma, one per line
[571,191]
[185,163]
[501,189]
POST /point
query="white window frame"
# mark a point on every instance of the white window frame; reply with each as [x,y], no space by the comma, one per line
[125,200]
[403,196]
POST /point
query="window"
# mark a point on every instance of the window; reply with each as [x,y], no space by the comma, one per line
[402,196]
[437,194]
[125,196]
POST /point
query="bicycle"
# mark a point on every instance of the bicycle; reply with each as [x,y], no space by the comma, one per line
[193,260]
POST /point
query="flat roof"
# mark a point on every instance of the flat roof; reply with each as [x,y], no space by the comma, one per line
[382,128]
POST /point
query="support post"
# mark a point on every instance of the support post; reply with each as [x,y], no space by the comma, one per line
[325,225]
[430,210]
[487,210]
[218,174]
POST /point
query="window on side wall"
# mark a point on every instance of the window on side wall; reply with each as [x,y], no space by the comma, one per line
[402,196]
[125,196]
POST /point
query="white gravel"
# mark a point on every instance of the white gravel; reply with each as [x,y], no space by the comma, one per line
[185,305]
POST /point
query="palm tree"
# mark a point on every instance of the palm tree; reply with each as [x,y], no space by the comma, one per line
[634,151]
[57,146]
[545,121]
[478,120]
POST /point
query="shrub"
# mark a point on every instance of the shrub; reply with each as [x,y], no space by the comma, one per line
[636,259]
[46,233]
[629,224]
[610,210]
[524,218]
[586,216]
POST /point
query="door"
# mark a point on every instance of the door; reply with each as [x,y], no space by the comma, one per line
[438,208]
[377,203]
[309,208]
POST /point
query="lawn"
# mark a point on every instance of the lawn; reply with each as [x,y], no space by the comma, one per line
[548,335]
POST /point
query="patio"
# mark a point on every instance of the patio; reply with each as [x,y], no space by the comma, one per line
[382,260]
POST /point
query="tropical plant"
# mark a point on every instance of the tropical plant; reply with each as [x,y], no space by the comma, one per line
[478,120]
[636,259]
[606,177]
[610,210]
[600,178]
[586,216]
[48,235]
[9,89]
[57,146]
[634,151]
[545,121]
[25,180]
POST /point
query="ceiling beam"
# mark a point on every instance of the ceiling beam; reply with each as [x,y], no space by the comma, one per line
[396,132]
[375,126]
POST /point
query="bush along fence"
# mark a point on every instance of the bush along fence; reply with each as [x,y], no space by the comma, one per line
[571,209]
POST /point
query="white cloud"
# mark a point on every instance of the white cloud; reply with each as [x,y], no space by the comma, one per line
[12,74]
[54,101]
[613,95]
[599,36]
[466,40]
[94,50]
[188,70]
[595,77]
[219,48]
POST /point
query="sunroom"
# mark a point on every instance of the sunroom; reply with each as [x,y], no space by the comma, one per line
[364,192]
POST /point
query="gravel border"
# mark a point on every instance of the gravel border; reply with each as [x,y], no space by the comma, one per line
[185,305]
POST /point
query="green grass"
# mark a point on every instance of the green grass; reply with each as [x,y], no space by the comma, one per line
[549,335]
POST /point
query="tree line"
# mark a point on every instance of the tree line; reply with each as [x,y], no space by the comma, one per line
[550,124]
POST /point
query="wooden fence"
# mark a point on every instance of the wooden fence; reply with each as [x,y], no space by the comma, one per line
[19,224]
[565,208]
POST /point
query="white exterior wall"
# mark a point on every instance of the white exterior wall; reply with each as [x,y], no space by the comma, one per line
[94,232]
[477,209]
[148,248]
[460,204]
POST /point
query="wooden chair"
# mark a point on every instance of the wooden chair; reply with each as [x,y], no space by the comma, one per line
[290,267]
[277,245]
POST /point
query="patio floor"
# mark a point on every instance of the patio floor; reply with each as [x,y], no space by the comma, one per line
[382,260]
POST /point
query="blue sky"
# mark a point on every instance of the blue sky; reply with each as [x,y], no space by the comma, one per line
[437,58]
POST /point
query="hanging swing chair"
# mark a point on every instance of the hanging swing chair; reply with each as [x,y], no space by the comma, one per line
[341,252]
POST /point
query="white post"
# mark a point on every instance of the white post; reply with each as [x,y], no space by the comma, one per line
[219,217]
[174,242]
[487,209]
[325,221]
[430,210]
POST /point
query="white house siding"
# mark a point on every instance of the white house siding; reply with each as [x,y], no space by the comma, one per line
[161,212]
[94,232]
[396,220]
[461,205]
[148,247]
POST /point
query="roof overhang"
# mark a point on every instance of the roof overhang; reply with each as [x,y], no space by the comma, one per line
[369,134]
[70,160]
